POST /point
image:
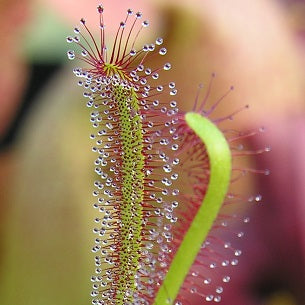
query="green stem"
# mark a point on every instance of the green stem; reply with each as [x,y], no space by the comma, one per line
[220,171]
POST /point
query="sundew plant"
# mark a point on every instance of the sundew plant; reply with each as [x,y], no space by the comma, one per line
[162,174]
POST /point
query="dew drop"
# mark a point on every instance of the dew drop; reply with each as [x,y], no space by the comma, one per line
[193,290]
[227,245]
[209,298]
[176,161]
[109,125]
[145,23]
[219,289]
[167,168]
[175,204]
[207,281]
[167,66]
[258,198]
[155,76]
[151,47]
[226,279]
[132,52]
[148,71]
[173,104]
[171,85]
[267,172]
[140,68]
[175,147]
[71,54]
[175,192]
[95,193]
[237,252]
[162,51]
[159,41]
[174,176]
[225,263]
[163,109]
[246,219]
[240,234]
[217,299]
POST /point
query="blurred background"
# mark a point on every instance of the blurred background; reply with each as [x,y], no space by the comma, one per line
[45,160]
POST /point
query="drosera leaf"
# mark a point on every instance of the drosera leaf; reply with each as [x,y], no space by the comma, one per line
[219,154]
[132,138]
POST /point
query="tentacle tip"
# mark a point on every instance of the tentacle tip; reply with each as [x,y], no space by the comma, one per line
[258,198]
[138,15]
[145,23]
[100,9]
[267,172]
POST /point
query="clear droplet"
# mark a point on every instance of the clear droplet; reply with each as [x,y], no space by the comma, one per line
[171,85]
[217,299]
[162,51]
[209,298]
[167,66]
[207,281]
[71,54]
[258,198]
[237,252]
[133,52]
[226,279]
[159,41]
[219,289]
[246,219]
[155,76]
[145,23]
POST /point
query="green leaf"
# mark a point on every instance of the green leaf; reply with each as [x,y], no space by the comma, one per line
[220,172]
